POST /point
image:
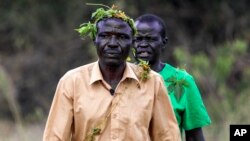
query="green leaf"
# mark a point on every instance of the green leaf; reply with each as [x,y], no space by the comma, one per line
[133,51]
[98,13]
[178,91]
[171,88]
[172,80]
[87,29]
[178,86]
[183,82]
[96,131]
[83,31]
[142,62]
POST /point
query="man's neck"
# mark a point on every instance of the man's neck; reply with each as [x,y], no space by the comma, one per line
[157,66]
[112,74]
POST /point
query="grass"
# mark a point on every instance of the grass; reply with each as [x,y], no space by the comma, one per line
[31,132]
[225,112]
[7,92]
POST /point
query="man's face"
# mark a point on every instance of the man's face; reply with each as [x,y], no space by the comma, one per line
[148,43]
[113,41]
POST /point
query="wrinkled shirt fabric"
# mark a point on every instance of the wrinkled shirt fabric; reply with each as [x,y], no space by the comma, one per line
[82,99]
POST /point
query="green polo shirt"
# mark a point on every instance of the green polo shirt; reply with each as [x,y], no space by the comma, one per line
[189,109]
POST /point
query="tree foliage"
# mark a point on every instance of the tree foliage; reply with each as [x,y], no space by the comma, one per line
[38,43]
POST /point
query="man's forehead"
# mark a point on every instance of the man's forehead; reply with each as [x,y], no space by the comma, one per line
[148,28]
[113,22]
[147,25]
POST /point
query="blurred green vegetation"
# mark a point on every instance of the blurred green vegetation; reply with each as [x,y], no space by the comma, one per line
[224,82]
[210,39]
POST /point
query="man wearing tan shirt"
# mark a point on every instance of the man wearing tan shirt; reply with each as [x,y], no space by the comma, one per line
[111,99]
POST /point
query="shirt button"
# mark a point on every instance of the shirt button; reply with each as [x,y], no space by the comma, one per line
[114,115]
[114,137]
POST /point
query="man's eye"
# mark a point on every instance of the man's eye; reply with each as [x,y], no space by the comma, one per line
[138,39]
[123,37]
[149,39]
[104,35]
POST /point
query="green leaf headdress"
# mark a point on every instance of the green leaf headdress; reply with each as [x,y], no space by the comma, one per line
[89,29]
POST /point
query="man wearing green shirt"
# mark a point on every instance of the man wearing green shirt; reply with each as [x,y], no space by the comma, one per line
[187,103]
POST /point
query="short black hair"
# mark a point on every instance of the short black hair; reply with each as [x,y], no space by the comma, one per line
[153,18]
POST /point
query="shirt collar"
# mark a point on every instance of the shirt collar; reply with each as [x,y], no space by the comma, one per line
[129,73]
[96,74]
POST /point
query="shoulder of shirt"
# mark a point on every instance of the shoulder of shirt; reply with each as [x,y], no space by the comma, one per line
[135,67]
[181,72]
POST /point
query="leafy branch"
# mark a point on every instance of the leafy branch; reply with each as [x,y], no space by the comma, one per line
[144,70]
[89,29]
[177,86]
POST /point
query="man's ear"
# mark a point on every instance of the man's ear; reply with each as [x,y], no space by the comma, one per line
[165,41]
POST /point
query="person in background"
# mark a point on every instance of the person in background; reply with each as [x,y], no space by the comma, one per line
[110,99]
[186,100]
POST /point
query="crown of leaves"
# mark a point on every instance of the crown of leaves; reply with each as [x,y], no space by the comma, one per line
[90,29]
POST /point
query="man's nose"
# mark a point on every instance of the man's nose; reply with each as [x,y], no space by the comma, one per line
[113,41]
[143,44]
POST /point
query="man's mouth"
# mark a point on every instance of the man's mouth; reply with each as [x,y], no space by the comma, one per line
[112,54]
[143,54]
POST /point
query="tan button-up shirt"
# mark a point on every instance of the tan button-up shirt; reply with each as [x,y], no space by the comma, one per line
[140,111]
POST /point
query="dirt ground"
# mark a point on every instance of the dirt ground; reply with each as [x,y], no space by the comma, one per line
[9,131]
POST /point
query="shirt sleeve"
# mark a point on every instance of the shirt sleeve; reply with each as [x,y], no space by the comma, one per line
[195,114]
[60,119]
[163,126]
